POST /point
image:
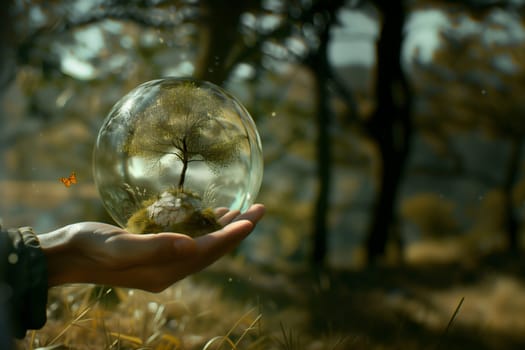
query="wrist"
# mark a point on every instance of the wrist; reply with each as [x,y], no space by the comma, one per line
[56,247]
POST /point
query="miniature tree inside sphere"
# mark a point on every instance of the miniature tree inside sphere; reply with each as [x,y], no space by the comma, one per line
[173,153]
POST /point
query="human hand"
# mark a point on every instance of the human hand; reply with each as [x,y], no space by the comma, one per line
[94,252]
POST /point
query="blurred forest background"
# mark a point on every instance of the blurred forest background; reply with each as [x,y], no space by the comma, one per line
[392,134]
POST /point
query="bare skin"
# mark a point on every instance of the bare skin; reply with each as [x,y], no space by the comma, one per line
[94,252]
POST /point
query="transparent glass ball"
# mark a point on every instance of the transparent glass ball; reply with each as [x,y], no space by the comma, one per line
[175,154]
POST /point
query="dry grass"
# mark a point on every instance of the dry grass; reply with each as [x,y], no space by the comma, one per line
[182,317]
[186,316]
[235,305]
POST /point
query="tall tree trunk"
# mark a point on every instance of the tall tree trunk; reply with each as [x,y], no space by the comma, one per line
[220,36]
[390,126]
[511,223]
[324,163]
[318,62]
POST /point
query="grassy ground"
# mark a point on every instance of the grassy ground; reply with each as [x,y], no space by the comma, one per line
[236,305]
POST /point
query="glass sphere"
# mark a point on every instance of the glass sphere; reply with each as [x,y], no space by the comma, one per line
[174,154]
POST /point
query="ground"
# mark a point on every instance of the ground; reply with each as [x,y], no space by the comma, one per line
[401,307]
[239,305]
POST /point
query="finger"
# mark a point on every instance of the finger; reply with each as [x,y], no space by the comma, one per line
[253,214]
[224,240]
[234,232]
[228,217]
[221,211]
[212,246]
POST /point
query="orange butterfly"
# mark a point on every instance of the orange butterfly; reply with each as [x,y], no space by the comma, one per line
[68,181]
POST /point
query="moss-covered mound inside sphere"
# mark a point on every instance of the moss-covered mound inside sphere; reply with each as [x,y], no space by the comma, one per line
[174,210]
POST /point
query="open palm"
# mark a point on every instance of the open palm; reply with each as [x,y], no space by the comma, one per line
[94,252]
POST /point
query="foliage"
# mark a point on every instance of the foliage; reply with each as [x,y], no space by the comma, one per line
[53,113]
[184,123]
[432,214]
